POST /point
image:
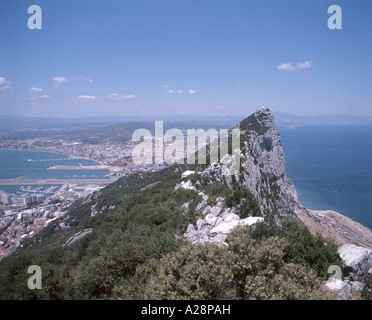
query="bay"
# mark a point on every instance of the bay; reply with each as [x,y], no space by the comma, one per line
[15,164]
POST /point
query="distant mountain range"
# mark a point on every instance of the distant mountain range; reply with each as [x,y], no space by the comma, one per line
[24,123]
[286,119]
[100,129]
[12,121]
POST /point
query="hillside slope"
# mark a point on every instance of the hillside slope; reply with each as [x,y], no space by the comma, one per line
[205,236]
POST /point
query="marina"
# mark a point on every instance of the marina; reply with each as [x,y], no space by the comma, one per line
[28,189]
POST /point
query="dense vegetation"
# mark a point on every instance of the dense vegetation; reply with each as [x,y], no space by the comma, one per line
[367,289]
[256,265]
[244,201]
[134,253]
[255,123]
[140,228]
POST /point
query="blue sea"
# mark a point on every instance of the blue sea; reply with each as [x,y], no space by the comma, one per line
[330,166]
[15,164]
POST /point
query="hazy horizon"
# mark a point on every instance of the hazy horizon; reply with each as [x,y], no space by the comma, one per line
[281,116]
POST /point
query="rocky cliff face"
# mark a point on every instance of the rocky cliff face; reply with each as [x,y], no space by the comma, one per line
[262,172]
[262,167]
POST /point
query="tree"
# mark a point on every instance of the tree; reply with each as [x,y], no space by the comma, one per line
[193,272]
[116,256]
[261,272]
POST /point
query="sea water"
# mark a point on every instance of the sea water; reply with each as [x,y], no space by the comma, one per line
[330,166]
[16,164]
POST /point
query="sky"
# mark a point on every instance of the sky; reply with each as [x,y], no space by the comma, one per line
[185,57]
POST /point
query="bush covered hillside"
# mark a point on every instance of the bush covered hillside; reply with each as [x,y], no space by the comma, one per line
[134,252]
[247,242]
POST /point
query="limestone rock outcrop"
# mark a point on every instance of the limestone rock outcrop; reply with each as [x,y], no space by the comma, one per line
[262,167]
[357,266]
[345,290]
[217,223]
[357,261]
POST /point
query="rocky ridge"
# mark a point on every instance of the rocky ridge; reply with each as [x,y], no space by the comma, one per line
[263,173]
[216,221]
[262,167]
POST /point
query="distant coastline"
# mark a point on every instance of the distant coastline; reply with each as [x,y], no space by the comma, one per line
[46,180]
[70,156]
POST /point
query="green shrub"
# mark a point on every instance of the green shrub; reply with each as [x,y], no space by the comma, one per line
[246,204]
[302,247]
[367,289]
[312,251]
[193,272]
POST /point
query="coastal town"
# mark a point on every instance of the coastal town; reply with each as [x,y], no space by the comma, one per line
[38,202]
[115,155]
[110,155]
[32,207]
[28,211]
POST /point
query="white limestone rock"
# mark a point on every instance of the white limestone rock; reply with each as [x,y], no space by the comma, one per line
[205,211]
[345,290]
[185,185]
[227,225]
[190,228]
[230,217]
[262,168]
[216,225]
[353,255]
[215,211]
[185,208]
[200,224]
[187,173]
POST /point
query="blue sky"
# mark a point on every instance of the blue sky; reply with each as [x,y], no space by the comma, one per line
[185,57]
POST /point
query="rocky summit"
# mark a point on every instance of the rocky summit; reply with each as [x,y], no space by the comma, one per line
[263,173]
[262,170]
